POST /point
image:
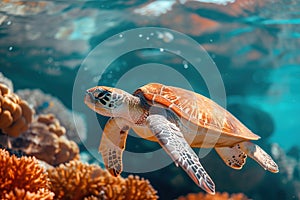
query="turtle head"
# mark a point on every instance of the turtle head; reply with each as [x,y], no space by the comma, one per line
[106,101]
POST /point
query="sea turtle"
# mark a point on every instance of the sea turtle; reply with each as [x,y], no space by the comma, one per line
[177,119]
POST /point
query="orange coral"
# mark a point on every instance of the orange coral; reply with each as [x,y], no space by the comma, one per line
[217,196]
[76,180]
[46,141]
[137,187]
[22,177]
[15,114]
[41,194]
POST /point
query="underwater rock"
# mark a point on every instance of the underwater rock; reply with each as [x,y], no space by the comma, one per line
[189,23]
[217,196]
[76,180]
[15,113]
[46,141]
[45,103]
[229,7]
[22,178]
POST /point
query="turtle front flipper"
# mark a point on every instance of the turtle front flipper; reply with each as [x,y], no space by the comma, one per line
[259,155]
[113,144]
[171,139]
[232,156]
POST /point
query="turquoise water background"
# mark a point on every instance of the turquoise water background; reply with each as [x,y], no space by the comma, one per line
[255,45]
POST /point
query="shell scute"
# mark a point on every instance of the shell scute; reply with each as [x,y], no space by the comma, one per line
[196,108]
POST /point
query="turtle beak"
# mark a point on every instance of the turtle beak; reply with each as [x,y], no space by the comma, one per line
[89,97]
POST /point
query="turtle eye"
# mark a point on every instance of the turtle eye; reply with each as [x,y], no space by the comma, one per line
[102,94]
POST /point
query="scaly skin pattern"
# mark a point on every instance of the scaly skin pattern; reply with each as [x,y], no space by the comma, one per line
[173,142]
[169,115]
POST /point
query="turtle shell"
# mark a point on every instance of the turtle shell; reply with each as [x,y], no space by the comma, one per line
[196,109]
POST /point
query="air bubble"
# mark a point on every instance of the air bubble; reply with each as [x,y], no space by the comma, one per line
[161,49]
[8,23]
[147,38]
[121,35]
[140,35]
[10,48]
[50,60]
[211,40]
[185,64]
[96,79]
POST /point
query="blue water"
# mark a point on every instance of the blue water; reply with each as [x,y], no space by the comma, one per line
[254,45]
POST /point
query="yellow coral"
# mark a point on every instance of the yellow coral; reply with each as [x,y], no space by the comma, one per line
[217,196]
[76,180]
[15,114]
[23,173]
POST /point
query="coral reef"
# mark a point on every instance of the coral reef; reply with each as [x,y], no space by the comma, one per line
[217,196]
[41,194]
[17,153]
[45,104]
[76,180]
[289,164]
[46,141]
[42,137]
[22,178]
[15,113]
[23,8]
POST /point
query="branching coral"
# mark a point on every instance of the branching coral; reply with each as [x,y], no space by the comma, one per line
[76,180]
[217,196]
[15,114]
[22,177]
[139,188]
[46,141]
[41,194]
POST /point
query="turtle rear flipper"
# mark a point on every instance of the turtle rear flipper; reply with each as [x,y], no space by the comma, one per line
[113,144]
[259,155]
[171,139]
[232,156]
